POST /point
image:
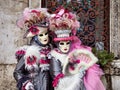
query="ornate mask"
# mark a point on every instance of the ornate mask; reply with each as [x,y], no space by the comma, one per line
[43,36]
[64,46]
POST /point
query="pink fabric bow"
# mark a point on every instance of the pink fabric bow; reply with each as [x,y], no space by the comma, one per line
[59,14]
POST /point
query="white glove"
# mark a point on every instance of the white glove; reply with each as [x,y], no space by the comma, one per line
[29,86]
[82,72]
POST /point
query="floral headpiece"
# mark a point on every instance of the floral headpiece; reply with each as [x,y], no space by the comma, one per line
[32,18]
[63,23]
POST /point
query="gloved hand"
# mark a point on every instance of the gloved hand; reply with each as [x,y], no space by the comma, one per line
[28,86]
[82,72]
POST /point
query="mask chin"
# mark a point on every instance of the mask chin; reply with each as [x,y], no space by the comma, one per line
[65,52]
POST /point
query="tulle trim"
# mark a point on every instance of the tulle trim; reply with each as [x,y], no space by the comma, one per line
[77,44]
[92,79]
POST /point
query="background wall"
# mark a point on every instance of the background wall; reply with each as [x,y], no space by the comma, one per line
[115,27]
[115,42]
[10,34]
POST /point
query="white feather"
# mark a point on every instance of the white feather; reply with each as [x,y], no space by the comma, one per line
[30,67]
[69,83]
[25,47]
[59,56]
[44,67]
[32,51]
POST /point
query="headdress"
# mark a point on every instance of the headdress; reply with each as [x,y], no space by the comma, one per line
[64,24]
[32,18]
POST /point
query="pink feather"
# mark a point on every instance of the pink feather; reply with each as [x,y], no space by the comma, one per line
[92,78]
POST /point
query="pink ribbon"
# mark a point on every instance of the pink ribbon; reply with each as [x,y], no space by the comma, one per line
[59,14]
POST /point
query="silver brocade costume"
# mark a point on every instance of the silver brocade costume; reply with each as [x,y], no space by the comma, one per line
[41,78]
[73,82]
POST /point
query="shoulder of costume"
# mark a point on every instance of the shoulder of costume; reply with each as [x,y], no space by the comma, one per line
[25,47]
[20,52]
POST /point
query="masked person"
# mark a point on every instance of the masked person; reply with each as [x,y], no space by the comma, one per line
[32,69]
[71,63]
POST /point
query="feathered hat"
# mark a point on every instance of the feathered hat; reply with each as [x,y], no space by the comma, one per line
[64,24]
[31,19]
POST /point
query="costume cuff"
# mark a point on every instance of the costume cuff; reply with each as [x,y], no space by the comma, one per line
[56,79]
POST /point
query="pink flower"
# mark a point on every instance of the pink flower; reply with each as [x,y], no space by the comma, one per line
[34,30]
[31,60]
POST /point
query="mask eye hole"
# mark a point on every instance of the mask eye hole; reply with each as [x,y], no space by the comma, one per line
[61,43]
[46,33]
[41,35]
[68,43]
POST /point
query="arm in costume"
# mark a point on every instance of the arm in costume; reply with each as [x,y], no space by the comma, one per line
[20,74]
[20,52]
[56,71]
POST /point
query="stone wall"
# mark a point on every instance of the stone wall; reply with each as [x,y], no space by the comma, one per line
[10,34]
[10,39]
[115,27]
[7,81]
[115,43]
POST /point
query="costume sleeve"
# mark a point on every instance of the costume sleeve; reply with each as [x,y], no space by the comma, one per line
[20,52]
[20,74]
[55,67]
[56,71]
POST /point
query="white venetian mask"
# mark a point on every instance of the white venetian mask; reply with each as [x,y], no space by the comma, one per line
[43,37]
[64,46]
